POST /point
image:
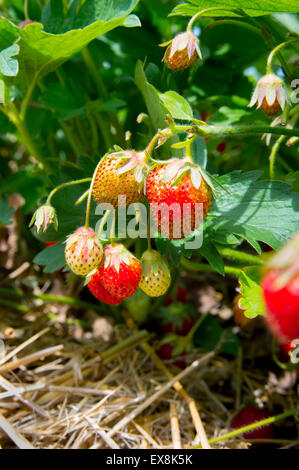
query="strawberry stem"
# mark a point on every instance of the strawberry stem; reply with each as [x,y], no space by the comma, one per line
[165,133]
[112,231]
[273,154]
[195,327]
[65,185]
[103,221]
[202,12]
[192,266]
[89,196]
[149,231]
[236,255]
[251,427]
[274,51]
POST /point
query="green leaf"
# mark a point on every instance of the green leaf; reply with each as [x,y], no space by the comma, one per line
[255,210]
[52,258]
[26,183]
[53,16]
[132,21]
[211,332]
[227,116]
[176,105]
[252,295]
[63,101]
[154,106]
[250,7]
[210,253]
[43,52]
[199,152]
[151,98]
[5,213]
[105,10]
[9,66]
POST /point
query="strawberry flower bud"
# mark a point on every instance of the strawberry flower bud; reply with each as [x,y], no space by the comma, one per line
[182,51]
[270,94]
[43,217]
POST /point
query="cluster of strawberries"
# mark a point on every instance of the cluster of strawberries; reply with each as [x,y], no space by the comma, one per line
[113,272]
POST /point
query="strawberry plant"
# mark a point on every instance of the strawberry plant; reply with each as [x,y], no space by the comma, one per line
[140,170]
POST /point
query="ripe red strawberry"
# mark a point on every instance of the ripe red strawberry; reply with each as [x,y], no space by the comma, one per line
[165,352]
[120,174]
[282,304]
[83,251]
[182,51]
[176,318]
[249,415]
[120,271]
[155,279]
[97,289]
[180,295]
[177,192]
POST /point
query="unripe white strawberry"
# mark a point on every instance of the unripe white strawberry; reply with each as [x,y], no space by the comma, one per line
[155,279]
[83,251]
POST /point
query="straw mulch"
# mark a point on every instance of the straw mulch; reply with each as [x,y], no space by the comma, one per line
[108,389]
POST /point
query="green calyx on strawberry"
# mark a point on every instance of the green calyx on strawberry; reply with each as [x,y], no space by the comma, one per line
[177,191]
[177,318]
[155,279]
[120,174]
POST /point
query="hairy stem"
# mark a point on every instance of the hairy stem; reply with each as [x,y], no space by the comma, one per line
[236,255]
[251,427]
[60,299]
[236,23]
[65,185]
[273,155]
[202,12]
[89,196]
[192,266]
[274,51]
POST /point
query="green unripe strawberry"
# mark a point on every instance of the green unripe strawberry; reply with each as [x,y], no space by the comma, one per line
[155,279]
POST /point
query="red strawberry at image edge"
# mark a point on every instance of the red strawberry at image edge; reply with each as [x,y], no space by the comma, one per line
[165,352]
[282,305]
[250,415]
